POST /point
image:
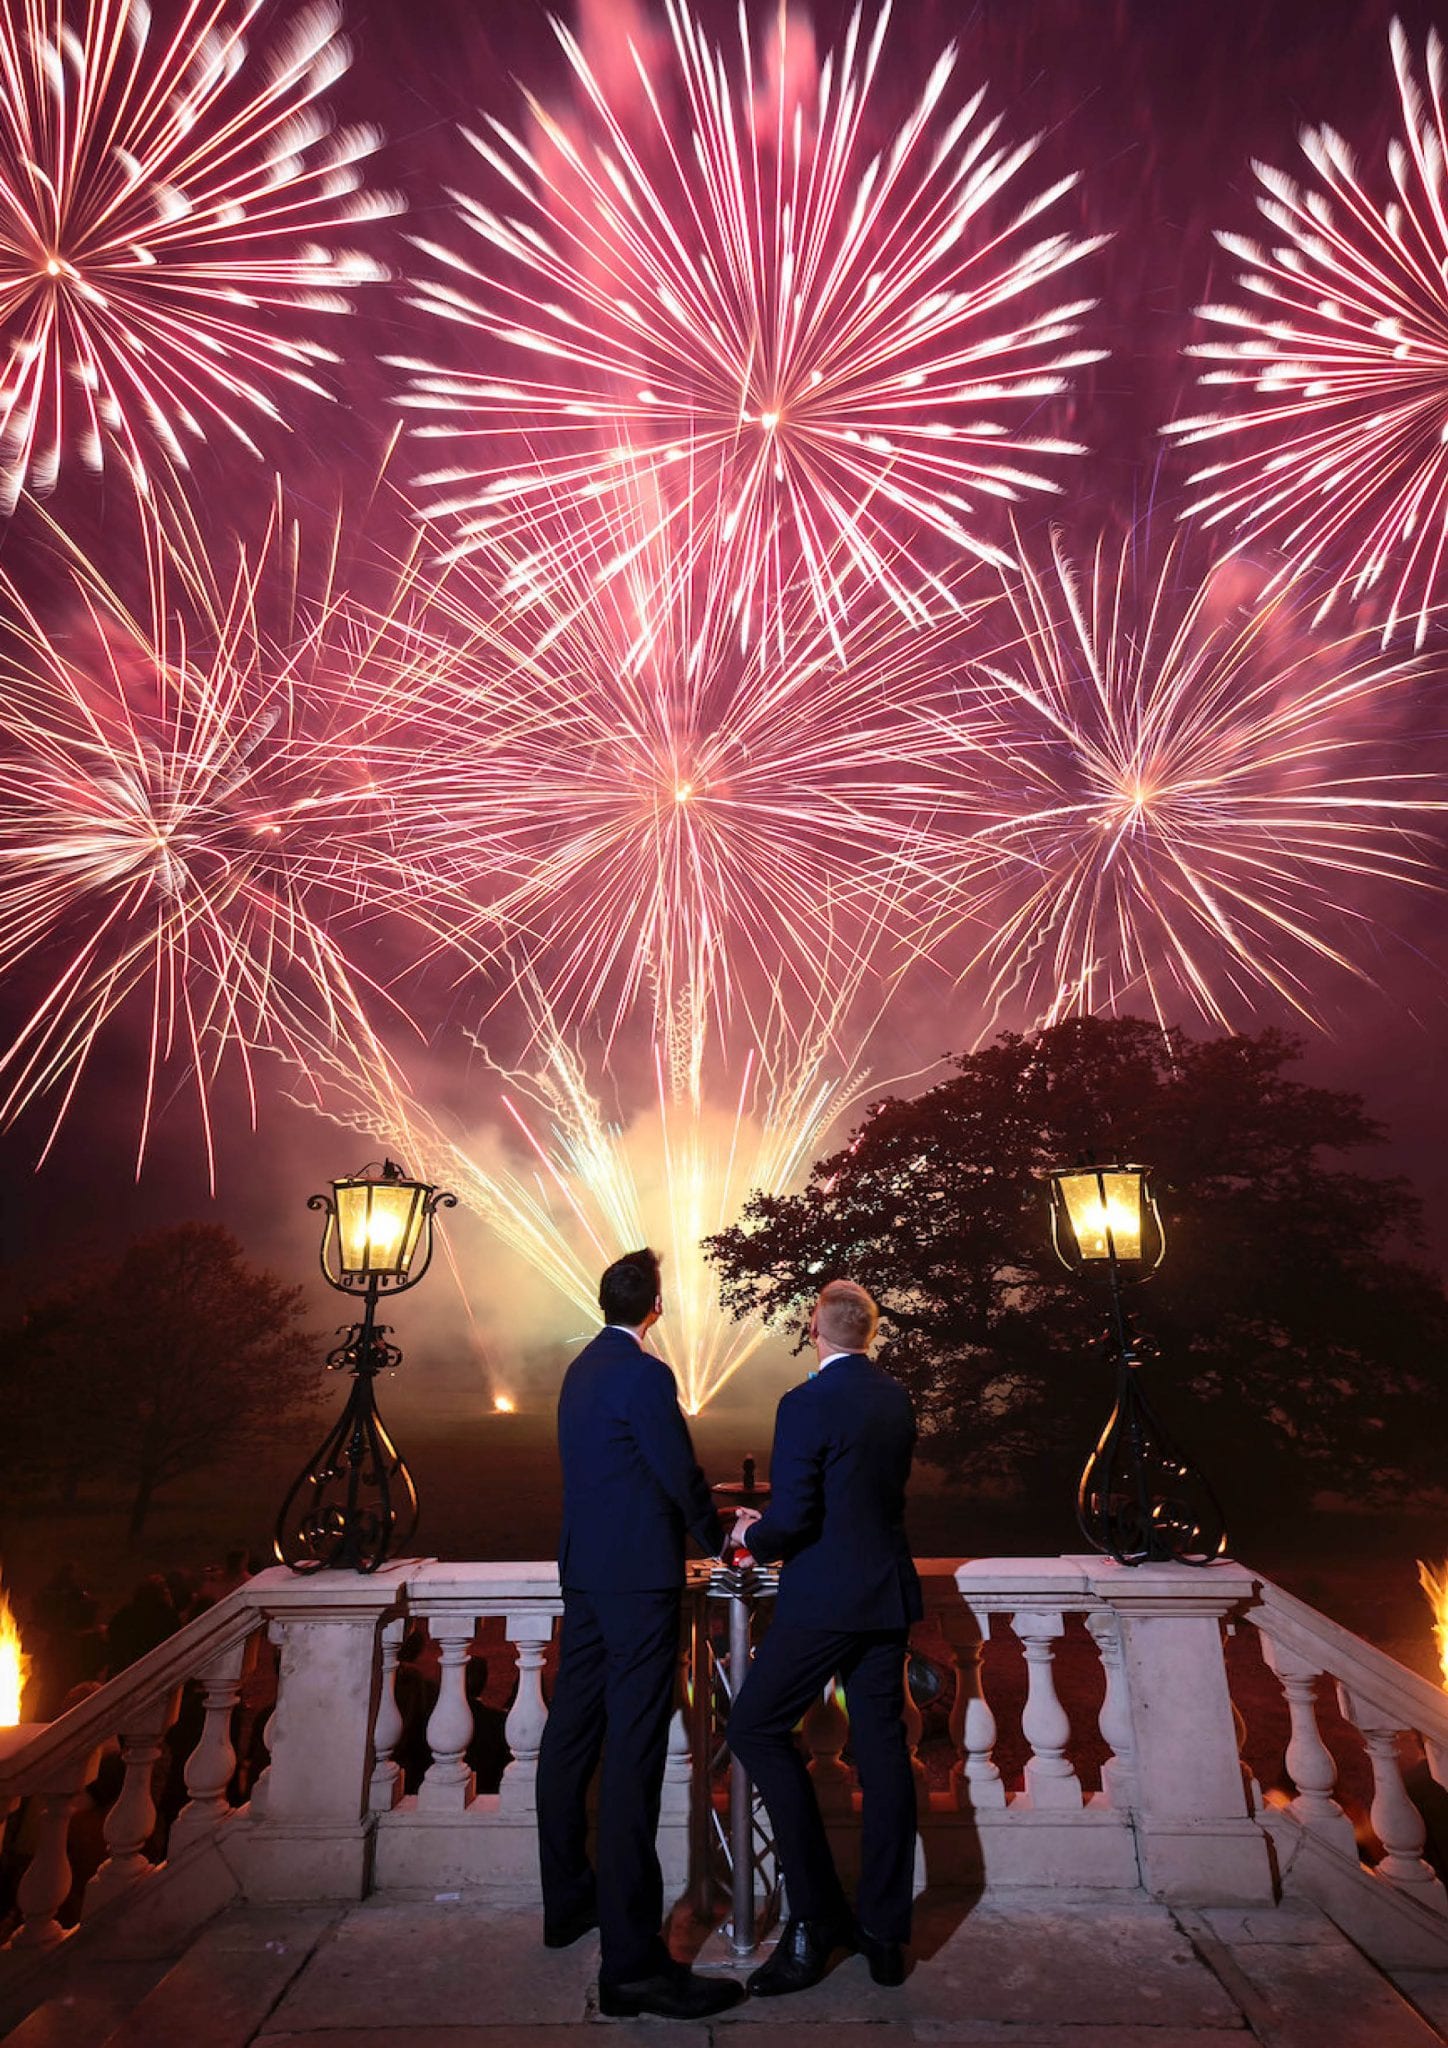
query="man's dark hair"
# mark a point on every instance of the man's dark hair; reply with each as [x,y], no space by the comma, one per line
[630,1287]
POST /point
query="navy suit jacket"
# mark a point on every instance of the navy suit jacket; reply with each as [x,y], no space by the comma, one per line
[843,1443]
[631,1487]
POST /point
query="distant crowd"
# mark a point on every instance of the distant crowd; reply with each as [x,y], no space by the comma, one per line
[73,1647]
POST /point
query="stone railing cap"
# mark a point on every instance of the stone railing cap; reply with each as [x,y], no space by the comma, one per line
[1372,1679]
[492,1585]
[1003,1582]
[282,1592]
[1198,1588]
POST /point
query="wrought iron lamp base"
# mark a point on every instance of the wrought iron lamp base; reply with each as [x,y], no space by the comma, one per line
[353,1504]
[1141,1500]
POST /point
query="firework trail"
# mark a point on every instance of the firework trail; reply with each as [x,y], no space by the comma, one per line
[1185,781]
[169,208]
[663,809]
[1338,365]
[195,818]
[582,1186]
[735,281]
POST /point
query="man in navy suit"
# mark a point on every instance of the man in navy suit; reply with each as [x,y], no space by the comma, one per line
[848,1592]
[631,1488]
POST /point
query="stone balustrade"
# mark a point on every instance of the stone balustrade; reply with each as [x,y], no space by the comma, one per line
[1128,1776]
[49,1765]
[1401,1722]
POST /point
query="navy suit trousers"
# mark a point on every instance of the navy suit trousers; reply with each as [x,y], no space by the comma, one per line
[790,1670]
[614,1695]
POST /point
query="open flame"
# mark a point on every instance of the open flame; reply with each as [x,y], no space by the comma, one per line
[14,1665]
[1435,1585]
[504,1404]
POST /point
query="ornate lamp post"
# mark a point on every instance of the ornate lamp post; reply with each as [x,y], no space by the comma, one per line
[354,1502]
[1139,1499]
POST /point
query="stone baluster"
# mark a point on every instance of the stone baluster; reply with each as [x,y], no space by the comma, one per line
[826,1730]
[385,1787]
[128,1825]
[914,1722]
[1396,1820]
[1310,1763]
[260,1785]
[45,1885]
[1051,1780]
[975,1778]
[530,1632]
[212,1763]
[448,1784]
[1118,1773]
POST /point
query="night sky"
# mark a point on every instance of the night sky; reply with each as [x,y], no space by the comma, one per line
[1160,106]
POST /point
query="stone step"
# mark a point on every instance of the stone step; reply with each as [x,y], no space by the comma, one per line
[222,1989]
[87,2005]
[1427,1991]
[1300,1983]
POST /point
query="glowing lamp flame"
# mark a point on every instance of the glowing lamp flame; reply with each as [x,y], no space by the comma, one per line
[384,1233]
[1102,1224]
[1435,1585]
[14,1666]
[504,1404]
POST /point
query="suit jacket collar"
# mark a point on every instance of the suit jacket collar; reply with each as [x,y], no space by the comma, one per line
[614,1334]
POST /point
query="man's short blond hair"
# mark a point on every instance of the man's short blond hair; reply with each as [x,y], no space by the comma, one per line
[846,1315]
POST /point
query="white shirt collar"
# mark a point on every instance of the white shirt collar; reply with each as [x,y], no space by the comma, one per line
[830,1357]
[628,1330]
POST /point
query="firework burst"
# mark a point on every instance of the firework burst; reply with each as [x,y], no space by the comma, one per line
[169,211]
[1338,362]
[195,811]
[659,806]
[739,282]
[1189,787]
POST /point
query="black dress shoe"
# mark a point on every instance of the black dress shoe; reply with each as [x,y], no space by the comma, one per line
[563,1933]
[678,1996]
[801,1957]
[886,1958]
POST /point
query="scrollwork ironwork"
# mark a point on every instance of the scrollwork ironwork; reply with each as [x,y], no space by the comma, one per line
[1140,1499]
[353,1504]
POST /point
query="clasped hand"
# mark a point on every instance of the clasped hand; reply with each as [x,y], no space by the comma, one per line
[744,1521]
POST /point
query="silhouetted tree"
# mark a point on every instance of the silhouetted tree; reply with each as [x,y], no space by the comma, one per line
[177,1357]
[1300,1334]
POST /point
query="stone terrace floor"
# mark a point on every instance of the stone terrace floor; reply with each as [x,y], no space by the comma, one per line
[1034,1971]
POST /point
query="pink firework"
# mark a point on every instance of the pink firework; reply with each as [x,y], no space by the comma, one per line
[1189,794]
[195,819]
[735,281]
[1337,365]
[653,803]
[169,214]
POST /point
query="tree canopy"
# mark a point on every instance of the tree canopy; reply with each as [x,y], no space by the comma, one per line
[174,1358]
[1300,1331]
